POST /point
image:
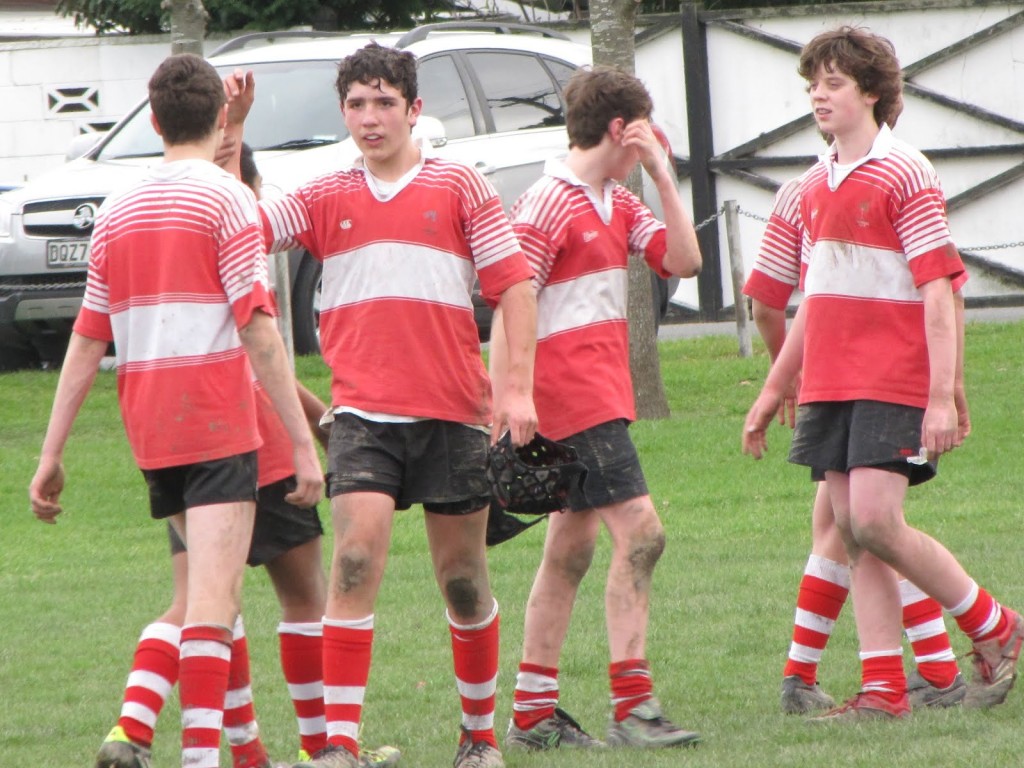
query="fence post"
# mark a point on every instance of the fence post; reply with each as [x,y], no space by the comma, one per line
[732,231]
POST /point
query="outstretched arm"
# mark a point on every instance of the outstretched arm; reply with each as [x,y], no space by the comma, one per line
[77,375]
[240,89]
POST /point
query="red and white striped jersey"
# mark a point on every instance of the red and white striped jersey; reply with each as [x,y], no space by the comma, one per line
[177,266]
[396,312]
[868,241]
[579,246]
[776,272]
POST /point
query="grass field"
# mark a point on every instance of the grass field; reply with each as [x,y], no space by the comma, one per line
[73,597]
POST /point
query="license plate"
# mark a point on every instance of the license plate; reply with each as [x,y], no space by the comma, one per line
[61,254]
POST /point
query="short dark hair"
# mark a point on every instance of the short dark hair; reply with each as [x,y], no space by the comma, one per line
[186,95]
[868,58]
[374,63]
[247,166]
[595,97]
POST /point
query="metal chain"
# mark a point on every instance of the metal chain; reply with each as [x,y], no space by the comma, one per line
[764,220]
[1000,246]
[749,215]
[709,219]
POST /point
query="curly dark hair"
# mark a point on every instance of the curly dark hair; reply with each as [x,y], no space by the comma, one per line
[868,58]
[374,63]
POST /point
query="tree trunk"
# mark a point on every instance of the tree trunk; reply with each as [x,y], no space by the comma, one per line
[188,25]
[612,29]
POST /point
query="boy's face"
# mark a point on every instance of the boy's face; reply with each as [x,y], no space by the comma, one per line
[379,119]
[839,105]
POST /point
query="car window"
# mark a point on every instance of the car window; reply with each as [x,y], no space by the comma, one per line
[560,70]
[296,106]
[444,96]
[518,90]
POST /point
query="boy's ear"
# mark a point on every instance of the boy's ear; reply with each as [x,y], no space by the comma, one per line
[616,128]
[155,124]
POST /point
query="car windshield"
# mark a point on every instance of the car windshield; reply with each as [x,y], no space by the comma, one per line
[296,107]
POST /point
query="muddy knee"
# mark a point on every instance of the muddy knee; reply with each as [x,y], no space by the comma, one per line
[645,551]
[353,570]
[463,597]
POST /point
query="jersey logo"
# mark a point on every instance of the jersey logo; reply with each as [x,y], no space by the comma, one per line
[862,215]
[346,224]
[589,236]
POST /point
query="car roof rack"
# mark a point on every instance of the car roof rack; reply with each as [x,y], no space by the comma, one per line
[498,27]
[237,43]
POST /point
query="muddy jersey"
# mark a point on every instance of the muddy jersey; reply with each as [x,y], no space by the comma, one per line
[396,313]
[579,246]
[871,235]
[177,266]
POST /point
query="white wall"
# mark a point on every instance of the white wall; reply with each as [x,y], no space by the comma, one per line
[53,90]
[754,88]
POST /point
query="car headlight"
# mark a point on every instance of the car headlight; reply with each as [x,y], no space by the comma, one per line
[6,214]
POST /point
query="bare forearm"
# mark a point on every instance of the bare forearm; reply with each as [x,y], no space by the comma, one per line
[269,361]
[682,255]
[790,358]
[497,359]
[518,317]
[940,325]
[77,375]
[771,324]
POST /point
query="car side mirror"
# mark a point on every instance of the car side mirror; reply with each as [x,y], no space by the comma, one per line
[430,129]
[81,144]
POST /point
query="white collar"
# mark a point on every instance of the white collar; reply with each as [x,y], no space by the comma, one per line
[556,168]
[880,149]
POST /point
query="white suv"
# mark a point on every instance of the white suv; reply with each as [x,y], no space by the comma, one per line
[493,91]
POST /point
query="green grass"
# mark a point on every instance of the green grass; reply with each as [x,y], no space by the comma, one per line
[73,597]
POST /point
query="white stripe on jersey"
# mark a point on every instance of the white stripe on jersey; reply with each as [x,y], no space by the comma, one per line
[491,238]
[396,270]
[593,298]
[288,218]
[859,271]
[147,330]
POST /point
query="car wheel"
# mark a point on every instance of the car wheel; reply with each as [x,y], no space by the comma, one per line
[306,307]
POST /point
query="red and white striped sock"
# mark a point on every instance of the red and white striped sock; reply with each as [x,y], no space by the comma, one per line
[882,673]
[302,661]
[475,652]
[823,591]
[348,647]
[536,695]
[926,631]
[154,673]
[202,685]
[978,614]
[631,685]
[240,727]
